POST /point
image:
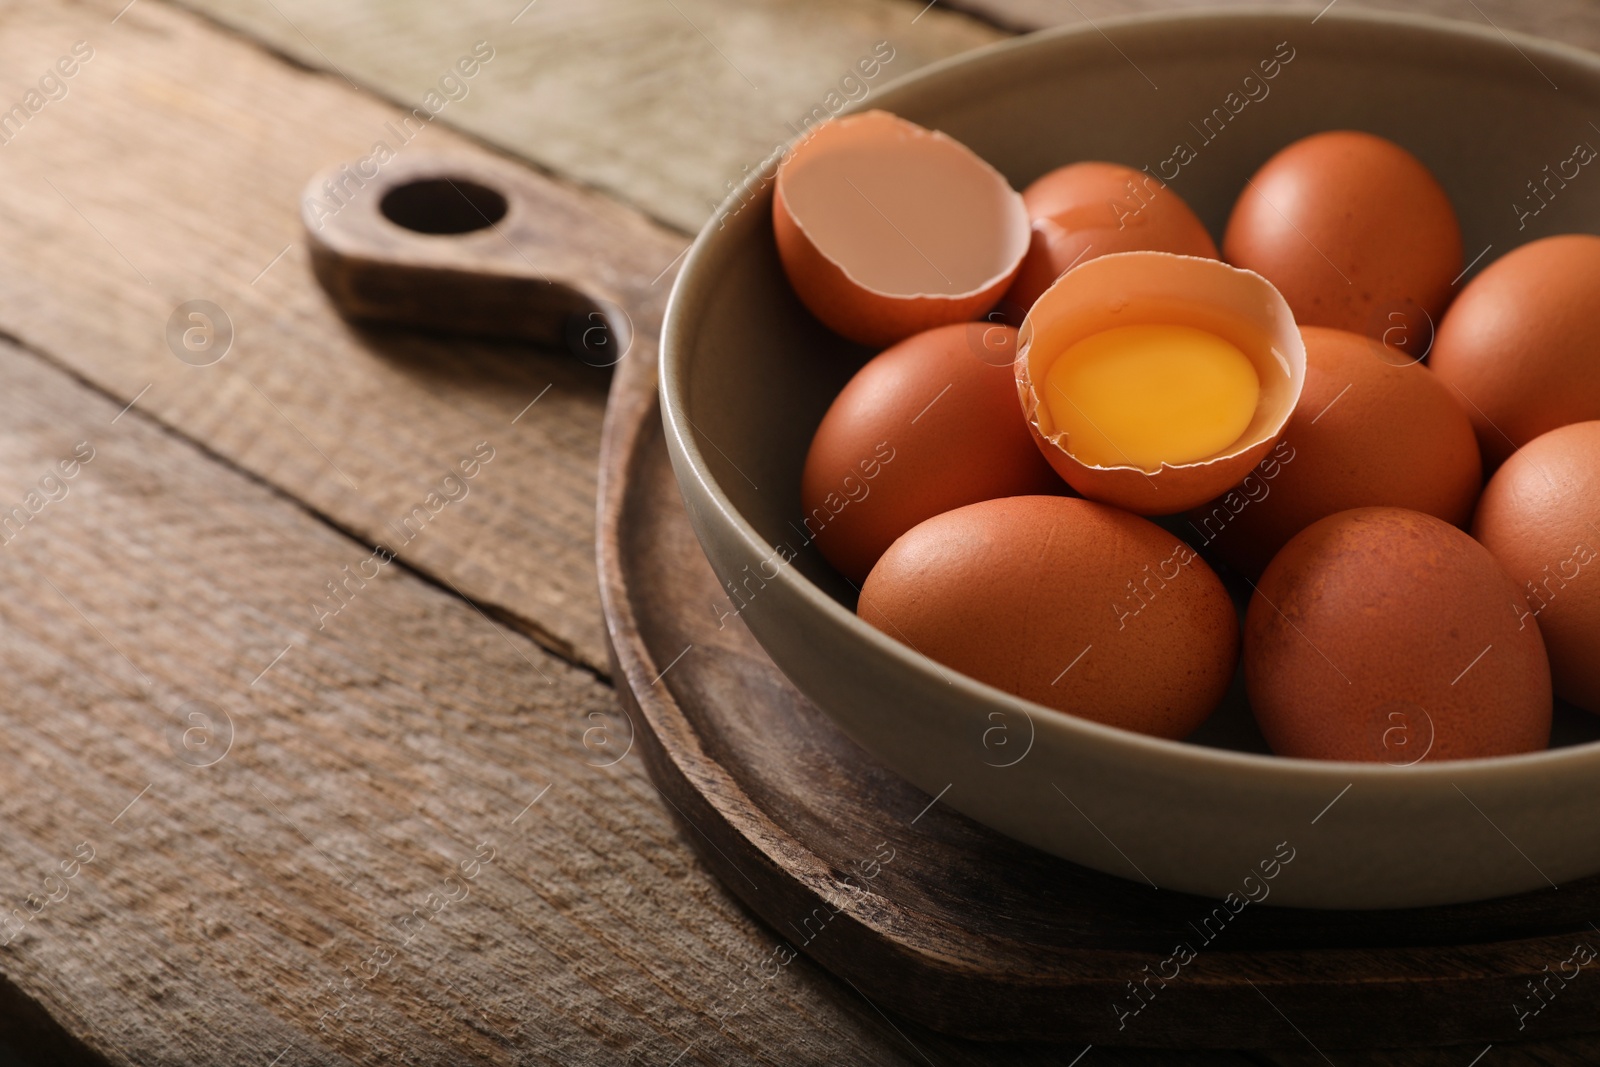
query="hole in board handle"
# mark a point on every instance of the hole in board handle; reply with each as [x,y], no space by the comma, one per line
[443,206]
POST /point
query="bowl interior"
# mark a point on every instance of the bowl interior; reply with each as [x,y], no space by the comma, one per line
[1189,98]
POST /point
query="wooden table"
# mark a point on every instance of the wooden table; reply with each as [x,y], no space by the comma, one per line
[268,800]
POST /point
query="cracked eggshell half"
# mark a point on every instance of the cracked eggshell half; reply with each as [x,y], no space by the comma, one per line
[1161,288]
[886,229]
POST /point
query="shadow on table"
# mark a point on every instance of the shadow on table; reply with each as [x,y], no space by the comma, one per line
[450,365]
[29,1037]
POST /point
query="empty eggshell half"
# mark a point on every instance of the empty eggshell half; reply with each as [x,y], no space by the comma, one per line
[1160,288]
[886,229]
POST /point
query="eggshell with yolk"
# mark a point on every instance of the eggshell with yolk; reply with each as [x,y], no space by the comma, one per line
[1139,288]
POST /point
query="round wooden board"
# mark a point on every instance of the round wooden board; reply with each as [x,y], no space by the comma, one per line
[936,918]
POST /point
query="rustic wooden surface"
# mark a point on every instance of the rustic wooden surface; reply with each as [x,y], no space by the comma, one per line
[659,103]
[225,903]
[212,141]
[585,88]
[228,903]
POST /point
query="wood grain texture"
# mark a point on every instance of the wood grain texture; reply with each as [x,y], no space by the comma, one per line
[207,927]
[211,141]
[659,102]
[224,904]
[396,840]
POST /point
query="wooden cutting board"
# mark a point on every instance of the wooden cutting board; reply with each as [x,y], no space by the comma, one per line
[952,925]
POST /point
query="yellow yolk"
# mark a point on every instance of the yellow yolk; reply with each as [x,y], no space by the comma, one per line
[1141,396]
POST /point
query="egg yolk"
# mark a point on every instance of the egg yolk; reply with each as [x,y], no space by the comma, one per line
[1141,396]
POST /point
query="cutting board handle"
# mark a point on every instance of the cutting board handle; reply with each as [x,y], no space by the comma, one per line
[457,244]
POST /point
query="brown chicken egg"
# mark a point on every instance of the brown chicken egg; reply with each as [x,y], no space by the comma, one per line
[1368,432]
[1388,635]
[1090,209]
[1521,344]
[928,425]
[1353,230]
[1540,517]
[886,229]
[1065,602]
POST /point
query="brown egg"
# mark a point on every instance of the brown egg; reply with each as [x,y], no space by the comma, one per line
[1088,209]
[928,425]
[1388,635]
[1521,344]
[1540,517]
[1353,230]
[1367,432]
[886,229]
[1065,602]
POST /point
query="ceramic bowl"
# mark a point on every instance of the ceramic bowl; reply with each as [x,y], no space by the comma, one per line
[746,374]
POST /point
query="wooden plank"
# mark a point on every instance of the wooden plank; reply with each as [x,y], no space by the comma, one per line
[171,171]
[214,900]
[659,102]
[389,841]
[632,97]
[1574,21]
